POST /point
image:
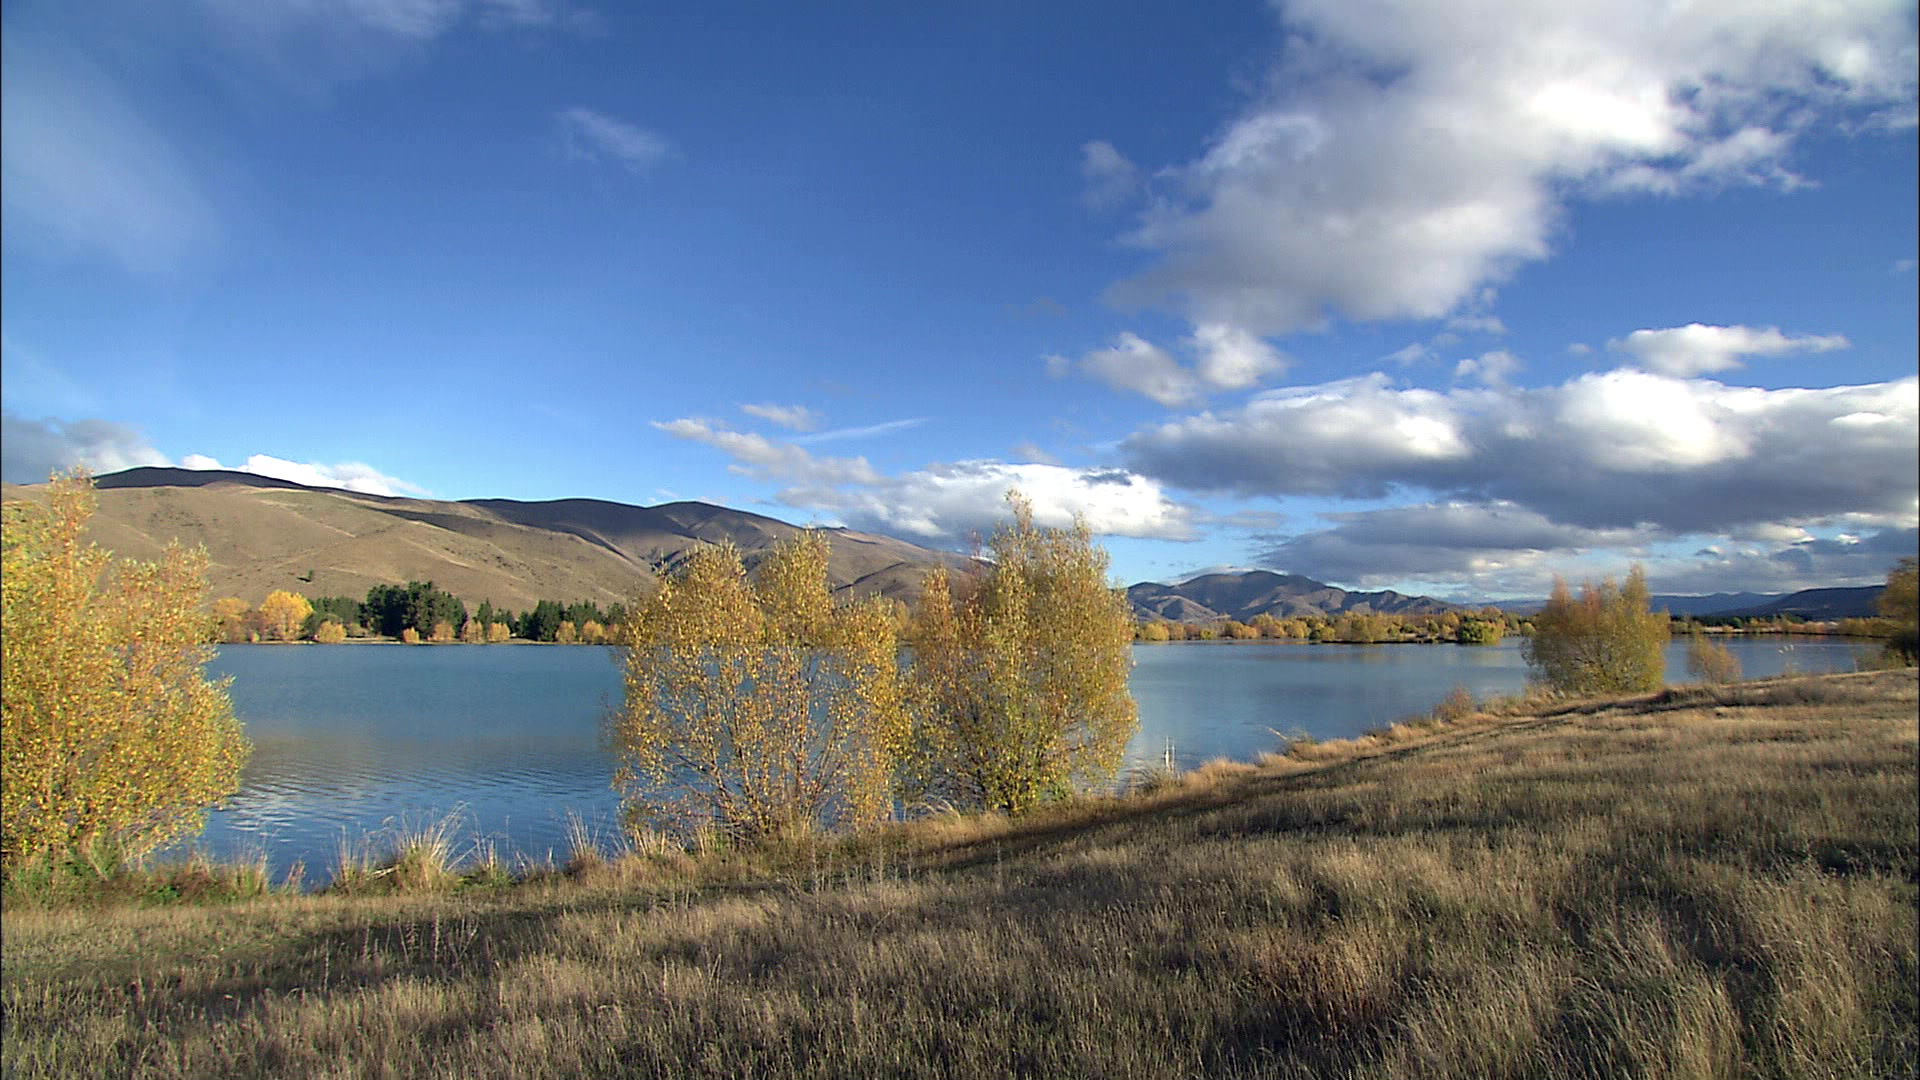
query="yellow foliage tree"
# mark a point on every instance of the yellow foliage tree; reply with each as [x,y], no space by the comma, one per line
[330,633]
[1020,675]
[761,708]
[1900,606]
[409,636]
[592,632]
[282,614]
[498,632]
[473,633]
[1710,661]
[443,631]
[233,620]
[112,733]
[567,634]
[1604,642]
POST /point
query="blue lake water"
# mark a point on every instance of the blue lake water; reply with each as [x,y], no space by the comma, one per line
[351,740]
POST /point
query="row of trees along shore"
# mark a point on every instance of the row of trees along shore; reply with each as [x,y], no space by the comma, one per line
[754,707]
[415,612]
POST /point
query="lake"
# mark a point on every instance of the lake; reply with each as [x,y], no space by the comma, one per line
[350,740]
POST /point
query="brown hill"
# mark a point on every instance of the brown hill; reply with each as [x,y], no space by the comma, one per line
[1261,592]
[263,534]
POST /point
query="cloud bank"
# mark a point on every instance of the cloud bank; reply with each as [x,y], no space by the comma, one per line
[1405,154]
[944,503]
[1610,450]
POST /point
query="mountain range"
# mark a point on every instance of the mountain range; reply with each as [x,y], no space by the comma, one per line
[263,534]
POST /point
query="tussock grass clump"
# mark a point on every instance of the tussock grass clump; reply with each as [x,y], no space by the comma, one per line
[1656,886]
[101,877]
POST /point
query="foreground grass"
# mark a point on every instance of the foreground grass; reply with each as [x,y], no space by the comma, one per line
[1694,884]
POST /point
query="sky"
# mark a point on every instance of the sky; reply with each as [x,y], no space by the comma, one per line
[1446,296]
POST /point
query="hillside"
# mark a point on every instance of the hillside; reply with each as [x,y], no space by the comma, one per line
[263,534]
[1247,594]
[1698,883]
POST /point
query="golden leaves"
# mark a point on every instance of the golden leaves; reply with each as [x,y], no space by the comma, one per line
[111,729]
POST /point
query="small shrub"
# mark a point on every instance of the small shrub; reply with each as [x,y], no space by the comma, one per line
[1711,661]
[1457,706]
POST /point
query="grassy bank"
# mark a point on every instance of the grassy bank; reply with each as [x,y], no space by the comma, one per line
[1692,884]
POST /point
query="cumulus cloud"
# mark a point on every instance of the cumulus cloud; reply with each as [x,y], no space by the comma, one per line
[945,503]
[1134,364]
[1615,449]
[595,136]
[1500,549]
[951,503]
[33,450]
[1405,154]
[791,417]
[1225,358]
[1491,368]
[346,475]
[1461,542]
[1697,349]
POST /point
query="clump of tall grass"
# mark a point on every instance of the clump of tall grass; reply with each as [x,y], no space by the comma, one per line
[403,857]
[100,876]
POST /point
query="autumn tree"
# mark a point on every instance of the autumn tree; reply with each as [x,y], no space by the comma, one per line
[1479,631]
[498,632]
[1606,641]
[565,634]
[282,614]
[474,633]
[113,735]
[232,620]
[330,633]
[1020,673]
[1900,606]
[758,708]
[1711,661]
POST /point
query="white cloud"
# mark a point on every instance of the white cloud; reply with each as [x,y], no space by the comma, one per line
[1109,177]
[1613,449]
[87,173]
[33,450]
[791,417]
[1697,349]
[347,475]
[1500,549]
[1225,358]
[1407,154]
[762,458]
[865,431]
[1028,451]
[595,136]
[1477,324]
[1490,369]
[945,503]
[1232,359]
[950,503]
[1135,364]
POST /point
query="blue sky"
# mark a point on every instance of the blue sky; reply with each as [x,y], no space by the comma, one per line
[1390,293]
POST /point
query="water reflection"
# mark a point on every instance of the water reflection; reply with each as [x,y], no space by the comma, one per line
[348,739]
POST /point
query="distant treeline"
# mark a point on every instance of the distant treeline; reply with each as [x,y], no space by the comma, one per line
[414,612]
[1486,626]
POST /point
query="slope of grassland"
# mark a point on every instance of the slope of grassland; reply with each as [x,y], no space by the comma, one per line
[1702,883]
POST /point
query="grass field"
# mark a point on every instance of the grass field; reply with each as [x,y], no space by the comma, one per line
[1702,883]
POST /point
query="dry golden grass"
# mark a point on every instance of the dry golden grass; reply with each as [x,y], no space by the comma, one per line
[1698,883]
